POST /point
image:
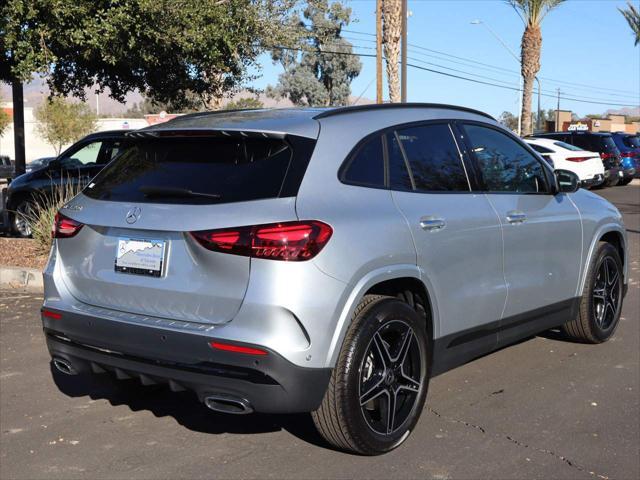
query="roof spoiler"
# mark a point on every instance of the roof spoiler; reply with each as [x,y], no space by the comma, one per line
[203,132]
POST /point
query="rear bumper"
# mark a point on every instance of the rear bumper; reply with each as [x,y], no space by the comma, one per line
[593,181]
[269,383]
[629,172]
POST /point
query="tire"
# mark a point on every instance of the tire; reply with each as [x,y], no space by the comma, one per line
[625,181]
[600,309]
[19,223]
[373,341]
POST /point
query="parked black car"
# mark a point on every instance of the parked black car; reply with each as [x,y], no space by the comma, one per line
[78,164]
[6,167]
[601,143]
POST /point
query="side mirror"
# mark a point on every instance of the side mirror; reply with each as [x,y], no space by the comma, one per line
[567,181]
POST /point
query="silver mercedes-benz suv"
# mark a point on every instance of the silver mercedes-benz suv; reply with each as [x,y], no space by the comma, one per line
[325,260]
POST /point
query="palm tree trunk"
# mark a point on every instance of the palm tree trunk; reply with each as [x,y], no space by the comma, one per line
[530,51]
[391,30]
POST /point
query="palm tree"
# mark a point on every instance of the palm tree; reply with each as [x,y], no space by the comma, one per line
[632,16]
[391,31]
[532,12]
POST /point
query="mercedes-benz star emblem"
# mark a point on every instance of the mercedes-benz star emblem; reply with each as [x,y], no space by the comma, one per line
[133,215]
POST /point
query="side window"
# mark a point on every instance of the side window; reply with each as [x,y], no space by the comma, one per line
[111,150]
[366,167]
[506,166]
[399,176]
[433,158]
[87,156]
[583,142]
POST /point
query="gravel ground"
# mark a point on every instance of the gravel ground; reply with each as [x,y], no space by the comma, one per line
[21,252]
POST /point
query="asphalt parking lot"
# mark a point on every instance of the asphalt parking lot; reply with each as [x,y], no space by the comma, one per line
[544,408]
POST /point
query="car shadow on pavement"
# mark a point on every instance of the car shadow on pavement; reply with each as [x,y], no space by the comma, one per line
[182,406]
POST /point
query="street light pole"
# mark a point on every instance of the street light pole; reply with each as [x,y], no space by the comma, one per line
[520,86]
[403,89]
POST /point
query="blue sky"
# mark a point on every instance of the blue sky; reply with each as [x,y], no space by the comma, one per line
[585,42]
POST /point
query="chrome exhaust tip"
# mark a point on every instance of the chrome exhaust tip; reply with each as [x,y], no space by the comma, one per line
[228,404]
[64,366]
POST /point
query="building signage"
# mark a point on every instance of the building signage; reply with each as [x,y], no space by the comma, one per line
[578,127]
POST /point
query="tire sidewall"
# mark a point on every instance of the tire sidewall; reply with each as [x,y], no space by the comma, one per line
[382,312]
[605,251]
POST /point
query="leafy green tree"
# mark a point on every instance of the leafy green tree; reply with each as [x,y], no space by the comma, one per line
[244,103]
[163,48]
[531,12]
[632,15]
[61,122]
[319,69]
[509,120]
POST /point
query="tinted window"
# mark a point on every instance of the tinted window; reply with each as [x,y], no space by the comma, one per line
[540,149]
[234,169]
[632,142]
[607,144]
[366,167]
[567,146]
[399,177]
[506,166]
[433,158]
[584,143]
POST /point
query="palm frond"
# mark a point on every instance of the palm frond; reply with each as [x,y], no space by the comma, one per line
[532,12]
[632,16]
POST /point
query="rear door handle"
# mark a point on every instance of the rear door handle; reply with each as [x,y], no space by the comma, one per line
[516,217]
[432,223]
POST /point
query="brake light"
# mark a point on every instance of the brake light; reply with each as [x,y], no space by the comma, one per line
[607,156]
[627,154]
[52,315]
[227,347]
[64,227]
[578,159]
[288,241]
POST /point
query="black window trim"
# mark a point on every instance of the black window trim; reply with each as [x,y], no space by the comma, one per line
[467,166]
[482,188]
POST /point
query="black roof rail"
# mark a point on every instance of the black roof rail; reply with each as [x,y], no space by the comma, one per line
[381,106]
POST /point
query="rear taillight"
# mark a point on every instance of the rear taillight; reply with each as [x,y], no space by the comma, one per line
[228,347]
[64,227]
[607,156]
[288,241]
[627,154]
[578,159]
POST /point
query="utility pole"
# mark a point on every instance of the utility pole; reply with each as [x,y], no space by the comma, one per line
[558,112]
[403,88]
[379,51]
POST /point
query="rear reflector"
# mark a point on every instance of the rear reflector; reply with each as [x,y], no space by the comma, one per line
[64,227]
[50,314]
[288,241]
[237,348]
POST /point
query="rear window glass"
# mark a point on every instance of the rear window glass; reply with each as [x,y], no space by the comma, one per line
[567,146]
[632,142]
[607,144]
[540,149]
[194,170]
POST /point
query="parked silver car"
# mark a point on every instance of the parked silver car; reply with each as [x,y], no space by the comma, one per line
[326,260]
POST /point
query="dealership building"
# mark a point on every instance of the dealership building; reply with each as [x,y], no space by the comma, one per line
[612,123]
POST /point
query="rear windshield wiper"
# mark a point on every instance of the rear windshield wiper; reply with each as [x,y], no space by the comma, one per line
[153,191]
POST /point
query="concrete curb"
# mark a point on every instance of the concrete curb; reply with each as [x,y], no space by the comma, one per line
[635,181]
[25,279]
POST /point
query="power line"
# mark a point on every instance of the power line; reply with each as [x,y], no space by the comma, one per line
[573,84]
[507,87]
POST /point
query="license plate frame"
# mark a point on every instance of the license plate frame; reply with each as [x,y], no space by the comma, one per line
[140,256]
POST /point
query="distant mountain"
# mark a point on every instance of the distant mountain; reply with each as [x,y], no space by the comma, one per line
[628,111]
[36,91]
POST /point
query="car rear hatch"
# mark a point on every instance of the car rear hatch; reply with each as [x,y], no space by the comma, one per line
[133,250]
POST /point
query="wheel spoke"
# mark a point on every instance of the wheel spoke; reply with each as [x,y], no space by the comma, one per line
[409,384]
[606,271]
[614,278]
[374,392]
[382,350]
[391,410]
[608,305]
[404,349]
[600,293]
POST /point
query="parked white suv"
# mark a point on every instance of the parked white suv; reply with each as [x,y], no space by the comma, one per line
[563,156]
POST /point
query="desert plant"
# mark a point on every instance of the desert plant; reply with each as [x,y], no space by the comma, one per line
[391,32]
[43,209]
[632,15]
